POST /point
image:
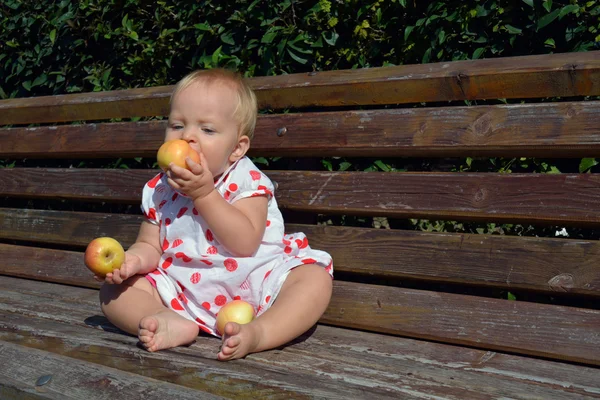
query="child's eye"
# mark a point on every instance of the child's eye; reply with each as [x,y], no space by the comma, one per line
[208,130]
[176,127]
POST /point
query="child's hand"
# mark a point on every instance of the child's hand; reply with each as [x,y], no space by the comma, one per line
[130,267]
[196,182]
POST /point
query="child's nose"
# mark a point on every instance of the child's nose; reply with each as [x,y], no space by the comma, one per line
[188,136]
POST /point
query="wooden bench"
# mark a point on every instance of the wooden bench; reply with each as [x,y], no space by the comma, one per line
[414,314]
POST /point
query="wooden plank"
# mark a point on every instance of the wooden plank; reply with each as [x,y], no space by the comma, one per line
[75,379]
[526,198]
[564,333]
[569,129]
[401,367]
[524,263]
[552,75]
[550,331]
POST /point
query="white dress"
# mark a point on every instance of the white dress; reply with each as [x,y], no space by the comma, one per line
[196,275]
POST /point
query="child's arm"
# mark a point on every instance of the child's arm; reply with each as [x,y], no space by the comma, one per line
[142,257]
[240,226]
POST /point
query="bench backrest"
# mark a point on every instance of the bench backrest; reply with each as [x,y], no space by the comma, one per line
[436,286]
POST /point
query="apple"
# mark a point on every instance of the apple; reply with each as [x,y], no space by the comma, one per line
[103,255]
[235,311]
[175,151]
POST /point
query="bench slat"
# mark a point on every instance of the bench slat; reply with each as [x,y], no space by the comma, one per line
[564,333]
[348,358]
[551,331]
[539,264]
[563,75]
[536,130]
[75,379]
[529,198]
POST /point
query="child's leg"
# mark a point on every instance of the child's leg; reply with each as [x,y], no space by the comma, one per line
[302,300]
[135,307]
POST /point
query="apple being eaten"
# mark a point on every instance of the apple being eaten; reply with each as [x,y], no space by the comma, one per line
[103,255]
[235,311]
[175,151]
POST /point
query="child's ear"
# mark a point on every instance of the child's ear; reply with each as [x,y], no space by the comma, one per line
[239,151]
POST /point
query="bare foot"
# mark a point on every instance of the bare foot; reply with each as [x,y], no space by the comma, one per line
[165,330]
[238,341]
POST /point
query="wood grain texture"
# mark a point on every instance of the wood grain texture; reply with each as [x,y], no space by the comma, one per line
[76,379]
[569,199]
[352,360]
[556,332]
[551,331]
[569,129]
[553,75]
[524,263]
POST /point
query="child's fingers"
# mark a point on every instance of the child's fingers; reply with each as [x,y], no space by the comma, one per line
[117,278]
[203,161]
[194,166]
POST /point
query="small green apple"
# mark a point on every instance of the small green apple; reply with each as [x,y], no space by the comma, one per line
[235,311]
[103,255]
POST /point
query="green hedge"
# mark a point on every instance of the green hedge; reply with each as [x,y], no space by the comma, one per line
[58,47]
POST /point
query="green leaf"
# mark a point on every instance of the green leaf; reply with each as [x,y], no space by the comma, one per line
[27,85]
[327,164]
[529,3]
[216,56]
[511,297]
[382,166]
[550,43]
[477,53]
[402,3]
[296,57]
[260,160]
[441,36]
[547,19]
[202,27]
[407,31]
[426,56]
[53,36]
[227,38]
[40,80]
[333,37]
[571,8]
[134,35]
[513,30]
[268,37]
[344,165]
[586,164]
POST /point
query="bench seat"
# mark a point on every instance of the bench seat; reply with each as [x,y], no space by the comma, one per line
[54,323]
[414,314]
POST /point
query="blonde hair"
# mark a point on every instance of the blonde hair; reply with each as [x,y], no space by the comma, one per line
[247,106]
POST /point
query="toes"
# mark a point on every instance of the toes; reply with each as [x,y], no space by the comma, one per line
[232,328]
[145,336]
[232,342]
[149,323]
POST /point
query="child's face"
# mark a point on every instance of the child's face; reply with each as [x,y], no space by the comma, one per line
[202,114]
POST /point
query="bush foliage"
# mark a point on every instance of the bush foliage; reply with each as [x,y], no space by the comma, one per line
[58,47]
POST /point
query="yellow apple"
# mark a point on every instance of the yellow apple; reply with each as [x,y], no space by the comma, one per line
[175,151]
[103,255]
[235,311]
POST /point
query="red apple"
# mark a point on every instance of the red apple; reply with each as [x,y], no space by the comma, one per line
[103,255]
[235,311]
[175,151]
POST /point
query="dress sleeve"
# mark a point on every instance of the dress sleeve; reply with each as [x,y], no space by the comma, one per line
[153,196]
[250,184]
